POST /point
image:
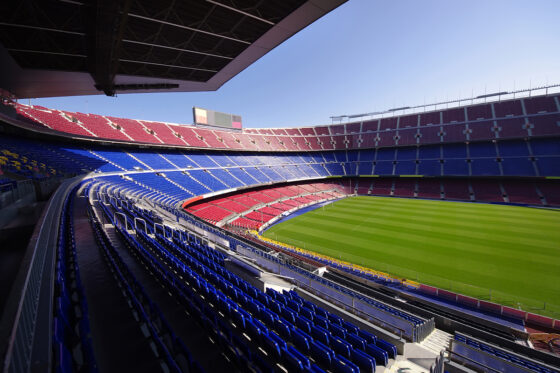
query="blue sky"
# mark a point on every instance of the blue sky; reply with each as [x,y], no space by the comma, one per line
[371,55]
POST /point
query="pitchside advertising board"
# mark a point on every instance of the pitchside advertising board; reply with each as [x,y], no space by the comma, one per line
[215,118]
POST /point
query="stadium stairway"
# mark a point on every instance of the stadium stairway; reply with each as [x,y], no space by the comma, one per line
[437,341]
[194,337]
[111,321]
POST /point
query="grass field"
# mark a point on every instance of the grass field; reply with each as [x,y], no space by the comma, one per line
[506,254]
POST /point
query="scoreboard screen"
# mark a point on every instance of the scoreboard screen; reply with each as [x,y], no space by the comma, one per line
[215,118]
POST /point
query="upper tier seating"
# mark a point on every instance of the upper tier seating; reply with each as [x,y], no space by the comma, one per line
[505,119]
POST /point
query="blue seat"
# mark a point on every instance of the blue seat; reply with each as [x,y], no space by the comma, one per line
[304,324]
[268,318]
[356,341]
[338,331]
[63,359]
[343,365]
[381,357]
[315,369]
[350,328]
[253,331]
[321,321]
[320,312]
[281,343]
[320,334]
[321,353]
[294,305]
[263,298]
[284,328]
[295,361]
[307,312]
[289,315]
[370,338]
[301,340]
[263,362]
[341,347]
[271,346]
[335,319]
[59,330]
[275,306]
[389,347]
[365,362]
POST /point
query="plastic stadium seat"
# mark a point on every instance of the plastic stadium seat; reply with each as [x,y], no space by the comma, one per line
[512,128]
[388,347]
[548,166]
[365,362]
[296,360]
[301,340]
[542,104]
[383,168]
[483,111]
[454,151]
[433,117]
[341,347]
[545,125]
[514,148]
[380,355]
[518,166]
[343,365]
[545,147]
[431,167]
[320,334]
[522,192]
[482,150]
[454,115]
[485,167]
[455,167]
[507,108]
[356,341]
[321,353]
[315,369]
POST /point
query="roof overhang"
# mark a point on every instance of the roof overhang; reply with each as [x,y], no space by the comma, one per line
[35,83]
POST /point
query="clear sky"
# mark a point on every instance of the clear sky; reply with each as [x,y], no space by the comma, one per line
[371,55]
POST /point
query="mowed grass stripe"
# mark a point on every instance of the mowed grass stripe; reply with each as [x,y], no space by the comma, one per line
[512,250]
[517,218]
[456,207]
[385,231]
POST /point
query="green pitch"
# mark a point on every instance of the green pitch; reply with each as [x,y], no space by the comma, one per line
[506,254]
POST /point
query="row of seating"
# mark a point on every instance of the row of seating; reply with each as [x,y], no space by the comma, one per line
[494,357]
[538,157]
[197,296]
[71,328]
[219,208]
[419,323]
[526,117]
[177,357]
[482,190]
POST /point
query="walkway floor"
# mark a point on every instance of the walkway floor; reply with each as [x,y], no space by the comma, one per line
[118,342]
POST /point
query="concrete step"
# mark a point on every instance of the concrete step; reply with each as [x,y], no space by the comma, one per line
[438,340]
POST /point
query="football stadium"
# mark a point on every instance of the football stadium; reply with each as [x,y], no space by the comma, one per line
[421,238]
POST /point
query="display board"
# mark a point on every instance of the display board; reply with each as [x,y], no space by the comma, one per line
[215,118]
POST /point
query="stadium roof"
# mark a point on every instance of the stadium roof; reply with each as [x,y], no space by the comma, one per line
[81,47]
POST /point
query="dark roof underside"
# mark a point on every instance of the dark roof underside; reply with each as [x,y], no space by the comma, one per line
[165,41]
